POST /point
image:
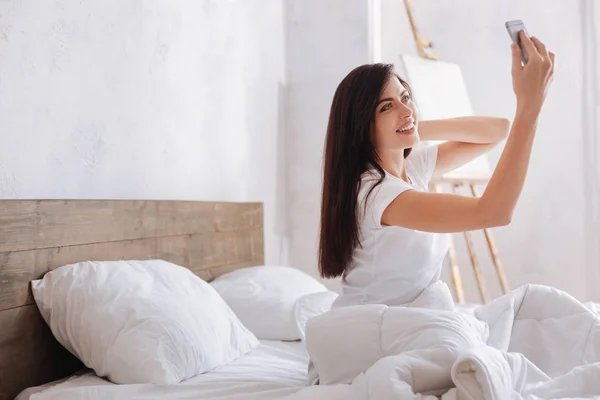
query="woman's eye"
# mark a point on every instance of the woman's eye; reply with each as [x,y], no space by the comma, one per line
[406,97]
[386,107]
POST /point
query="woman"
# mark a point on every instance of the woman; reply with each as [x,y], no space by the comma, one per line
[381,230]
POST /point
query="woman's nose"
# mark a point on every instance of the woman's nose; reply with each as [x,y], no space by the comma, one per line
[405,111]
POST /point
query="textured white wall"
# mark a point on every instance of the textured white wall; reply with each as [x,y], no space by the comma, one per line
[141,99]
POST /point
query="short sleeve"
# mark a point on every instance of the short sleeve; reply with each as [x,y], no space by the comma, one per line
[378,199]
[423,161]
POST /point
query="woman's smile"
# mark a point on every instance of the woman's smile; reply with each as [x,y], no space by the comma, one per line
[407,129]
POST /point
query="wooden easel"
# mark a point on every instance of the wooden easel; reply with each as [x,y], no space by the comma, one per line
[424,46]
[457,182]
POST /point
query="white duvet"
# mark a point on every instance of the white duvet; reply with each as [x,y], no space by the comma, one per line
[534,343]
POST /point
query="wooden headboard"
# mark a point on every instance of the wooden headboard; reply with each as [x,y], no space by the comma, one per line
[36,236]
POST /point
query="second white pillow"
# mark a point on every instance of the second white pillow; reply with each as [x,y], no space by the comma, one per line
[265,299]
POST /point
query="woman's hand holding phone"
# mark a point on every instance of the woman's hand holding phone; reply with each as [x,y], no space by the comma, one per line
[531,81]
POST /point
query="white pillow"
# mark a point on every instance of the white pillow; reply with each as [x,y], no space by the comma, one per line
[140,321]
[265,299]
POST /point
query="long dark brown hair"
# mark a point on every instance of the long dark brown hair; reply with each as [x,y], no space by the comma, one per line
[349,151]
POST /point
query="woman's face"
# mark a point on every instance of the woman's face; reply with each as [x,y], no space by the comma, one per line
[395,119]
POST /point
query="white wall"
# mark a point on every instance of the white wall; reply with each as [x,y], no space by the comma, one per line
[184,100]
[142,99]
[590,114]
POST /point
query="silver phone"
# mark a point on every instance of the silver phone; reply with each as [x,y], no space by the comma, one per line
[513,27]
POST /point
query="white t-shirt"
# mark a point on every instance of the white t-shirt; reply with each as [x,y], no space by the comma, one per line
[393,265]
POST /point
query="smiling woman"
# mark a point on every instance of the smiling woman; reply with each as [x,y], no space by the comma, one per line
[380,228]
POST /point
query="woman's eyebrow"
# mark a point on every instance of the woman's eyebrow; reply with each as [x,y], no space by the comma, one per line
[386,99]
[390,99]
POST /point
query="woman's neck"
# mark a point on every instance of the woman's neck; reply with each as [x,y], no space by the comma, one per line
[395,164]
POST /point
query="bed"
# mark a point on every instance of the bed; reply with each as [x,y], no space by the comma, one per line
[211,239]
[208,238]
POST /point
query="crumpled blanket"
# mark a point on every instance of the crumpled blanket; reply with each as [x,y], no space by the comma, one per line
[536,342]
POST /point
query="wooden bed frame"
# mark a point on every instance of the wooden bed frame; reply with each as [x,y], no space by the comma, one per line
[36,236]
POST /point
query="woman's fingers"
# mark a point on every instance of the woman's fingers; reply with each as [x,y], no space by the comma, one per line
[552,56]
[516,58]
[541,48]
[529,47]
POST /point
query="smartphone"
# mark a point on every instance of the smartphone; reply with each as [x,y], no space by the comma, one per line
[513,27]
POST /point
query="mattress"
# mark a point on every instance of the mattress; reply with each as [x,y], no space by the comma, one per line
[273,370]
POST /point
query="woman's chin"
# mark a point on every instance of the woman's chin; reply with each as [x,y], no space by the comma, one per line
[411,140]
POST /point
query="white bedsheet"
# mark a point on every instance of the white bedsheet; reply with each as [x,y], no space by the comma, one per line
[274,370]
